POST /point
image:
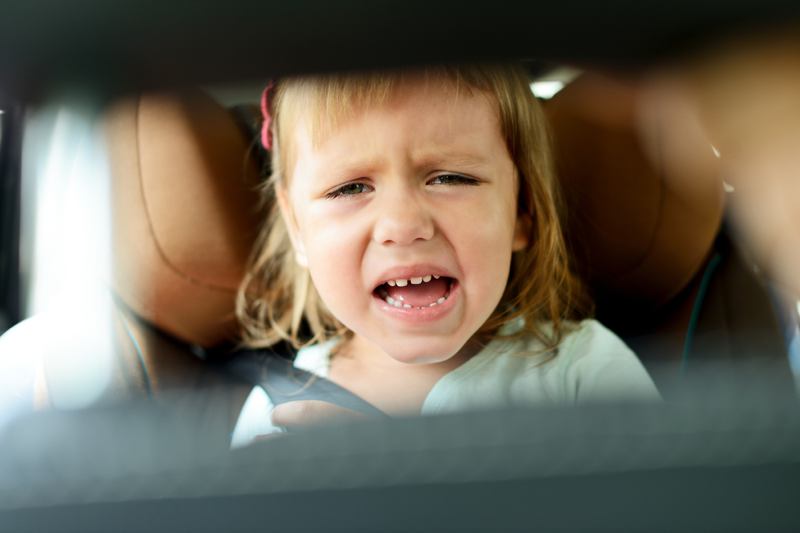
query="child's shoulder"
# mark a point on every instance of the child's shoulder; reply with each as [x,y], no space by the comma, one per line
[598,365]
[589,338]
[579,340]
[591,363]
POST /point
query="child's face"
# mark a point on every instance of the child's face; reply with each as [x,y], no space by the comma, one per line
[422,187]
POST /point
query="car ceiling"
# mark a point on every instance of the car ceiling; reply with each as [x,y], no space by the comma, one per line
[146,43]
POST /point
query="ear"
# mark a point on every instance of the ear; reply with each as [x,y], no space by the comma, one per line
[522,231]
[291,225]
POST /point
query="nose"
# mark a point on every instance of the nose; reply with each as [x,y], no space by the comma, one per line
[402,218]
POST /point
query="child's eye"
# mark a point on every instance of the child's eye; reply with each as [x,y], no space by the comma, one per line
[349,189]
[453,179]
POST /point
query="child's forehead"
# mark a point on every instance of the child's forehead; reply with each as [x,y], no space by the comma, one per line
[323,108]
[409,130]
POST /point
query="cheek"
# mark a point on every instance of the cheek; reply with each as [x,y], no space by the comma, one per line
[334,249]
[486,254]
[482,235]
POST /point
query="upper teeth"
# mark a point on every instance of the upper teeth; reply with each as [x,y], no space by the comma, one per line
[414,281]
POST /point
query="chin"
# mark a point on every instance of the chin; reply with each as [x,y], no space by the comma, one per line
[421,352]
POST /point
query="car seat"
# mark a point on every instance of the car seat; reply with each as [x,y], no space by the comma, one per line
[186,214]
[645,216]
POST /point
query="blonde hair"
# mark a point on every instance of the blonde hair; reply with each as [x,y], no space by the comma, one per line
[277,294]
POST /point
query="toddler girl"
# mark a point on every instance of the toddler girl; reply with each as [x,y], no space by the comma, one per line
[414,237]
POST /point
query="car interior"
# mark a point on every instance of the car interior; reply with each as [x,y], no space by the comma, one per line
[646,218]
[663,272]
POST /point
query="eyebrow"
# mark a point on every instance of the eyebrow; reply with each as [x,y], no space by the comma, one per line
[427,159]
[356,166]
[444,158]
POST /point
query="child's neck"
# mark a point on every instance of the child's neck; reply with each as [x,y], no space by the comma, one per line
[395,387]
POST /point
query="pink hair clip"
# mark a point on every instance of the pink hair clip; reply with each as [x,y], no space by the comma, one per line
[266,131]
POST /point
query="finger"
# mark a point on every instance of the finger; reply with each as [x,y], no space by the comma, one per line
[311,412]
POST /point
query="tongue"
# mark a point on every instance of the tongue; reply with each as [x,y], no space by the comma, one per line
[419,295]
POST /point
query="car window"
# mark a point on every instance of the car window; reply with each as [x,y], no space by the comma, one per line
[148,375]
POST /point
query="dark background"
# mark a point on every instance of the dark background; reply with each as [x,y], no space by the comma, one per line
[136,42]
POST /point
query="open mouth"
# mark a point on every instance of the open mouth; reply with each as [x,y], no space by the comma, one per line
[416,293]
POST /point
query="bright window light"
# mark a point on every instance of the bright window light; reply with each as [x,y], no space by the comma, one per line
[66,225]
[547,86]
[546,89]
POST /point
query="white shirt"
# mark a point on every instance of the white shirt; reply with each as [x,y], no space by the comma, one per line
[592,365]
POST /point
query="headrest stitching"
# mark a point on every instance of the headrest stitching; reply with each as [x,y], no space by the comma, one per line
[160,250]
[659,214]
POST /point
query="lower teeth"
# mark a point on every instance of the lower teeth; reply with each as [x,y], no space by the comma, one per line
[400,305]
